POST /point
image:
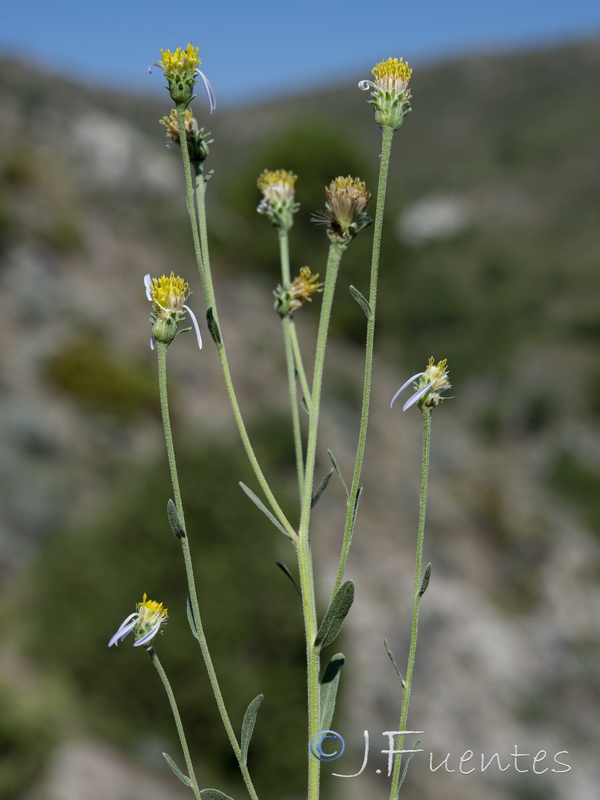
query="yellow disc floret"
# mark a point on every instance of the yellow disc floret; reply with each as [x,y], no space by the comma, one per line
[392,75]
[278,181]
[438,373]
[169,294]
[180,61]
[150,611]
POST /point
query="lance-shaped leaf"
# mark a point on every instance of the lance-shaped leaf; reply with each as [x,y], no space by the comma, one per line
[174,521]
[329,687]
[425,581]
[183,778]
[393,660]
[335,614]
[248,725]
[321,489]
[259,504]
[362,302]
[408,760]
[339,474]
[191,620]
[213,326]
[286,571]
[214,794]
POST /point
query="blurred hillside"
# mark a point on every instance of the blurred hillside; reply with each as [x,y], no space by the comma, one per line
[490,259]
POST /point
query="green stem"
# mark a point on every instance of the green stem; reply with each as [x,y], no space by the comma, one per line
[416,600]
[300,365]
[384,165]
[209,291]
[178,724]
[284,253]
[189,571]
[198,224]
[189,196]
[305,565]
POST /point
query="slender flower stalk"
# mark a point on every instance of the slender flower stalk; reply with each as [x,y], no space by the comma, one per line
[299,362]
[178,723]
[287,324]
[417,593]
[200,635]
[196,205]
[386,147]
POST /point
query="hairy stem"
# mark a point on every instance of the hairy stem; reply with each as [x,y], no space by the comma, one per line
[178,724]
[305,565]
[284,254]
[364,416]
[416,600]
[189,571]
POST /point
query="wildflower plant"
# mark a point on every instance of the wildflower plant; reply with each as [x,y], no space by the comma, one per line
[346,215]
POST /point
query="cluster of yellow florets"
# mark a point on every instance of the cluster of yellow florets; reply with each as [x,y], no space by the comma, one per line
[277,185]
[303,286]
[168,294]
[392,75]
[180,62]
[150,612]
[172,125]
[438,373]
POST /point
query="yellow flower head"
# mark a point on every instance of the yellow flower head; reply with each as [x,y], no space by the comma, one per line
[390,95]
[197,140]
[347,199]
[303,286]
[146,622]
[168,294]
[428,386]
[181,68]
[150,612]
[299,291]
[436,375]
[179,63]
[277,187]
[172,125]
[392,75]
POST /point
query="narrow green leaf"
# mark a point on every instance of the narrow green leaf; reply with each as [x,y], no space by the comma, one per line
[321,489]
[213,327]
[393,660]
[408,760]
[259,504]
[339,474]
[425,582]
[355,509]
[183,778]
[191,620]
[362,302]
[174,521]
[248,725]
[214,794]
[286,571]
[335,614]
[329,687]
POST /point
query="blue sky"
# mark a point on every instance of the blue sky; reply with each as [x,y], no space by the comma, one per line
[252,50]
